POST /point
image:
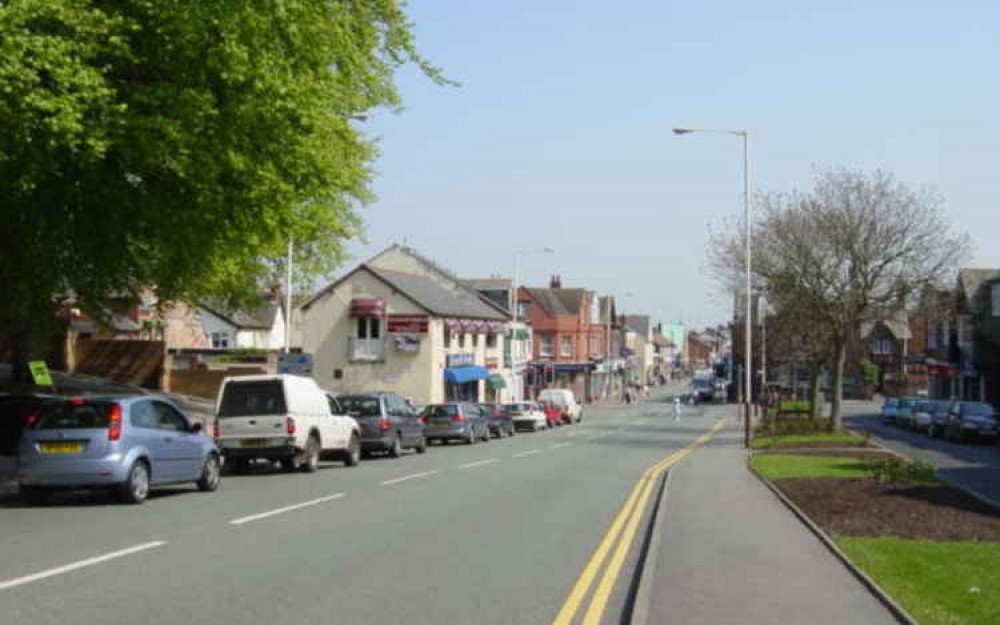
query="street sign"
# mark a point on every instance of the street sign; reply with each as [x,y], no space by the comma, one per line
[407,324]
[295,364]
[40,373]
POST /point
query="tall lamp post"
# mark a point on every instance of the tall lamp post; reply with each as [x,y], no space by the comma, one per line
[748,352]
[513,293]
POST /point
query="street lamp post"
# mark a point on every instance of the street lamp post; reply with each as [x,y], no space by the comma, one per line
[749,290]
[513,294]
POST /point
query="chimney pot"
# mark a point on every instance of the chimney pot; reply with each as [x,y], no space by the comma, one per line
[556,282]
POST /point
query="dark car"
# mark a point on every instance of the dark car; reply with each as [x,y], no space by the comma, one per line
[388,423]
[501,423]
[456,421]
[932,419]
[970,420]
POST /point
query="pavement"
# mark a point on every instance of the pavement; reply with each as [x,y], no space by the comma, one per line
[730,552]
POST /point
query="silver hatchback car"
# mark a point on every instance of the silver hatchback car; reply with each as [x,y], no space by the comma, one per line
[126,444]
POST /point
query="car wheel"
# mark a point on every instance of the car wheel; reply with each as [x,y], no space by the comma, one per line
[353,454]
[310,459]
[422,445]
[34,496]
[135,488]
[397,447]
[471,438]
[485,434]
[210,474]
[511,431]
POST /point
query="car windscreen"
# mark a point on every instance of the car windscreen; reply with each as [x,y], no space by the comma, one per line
[977,410]
[73,416]
[510,408]
[448,410]
[941,407]
[253,399]
[892,402]
[360,406]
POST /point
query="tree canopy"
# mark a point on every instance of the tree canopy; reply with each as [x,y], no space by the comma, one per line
[178,145]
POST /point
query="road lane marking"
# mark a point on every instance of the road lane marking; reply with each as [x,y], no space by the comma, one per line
[480,463]
[59,570]
[277,511]
[412,476]
[530,452]
[559,445]
[624,526]
[594,437]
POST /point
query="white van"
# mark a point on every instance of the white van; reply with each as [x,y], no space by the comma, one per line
[563,399]
[287,418]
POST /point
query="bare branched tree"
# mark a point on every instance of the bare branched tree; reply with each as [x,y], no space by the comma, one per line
[858,247]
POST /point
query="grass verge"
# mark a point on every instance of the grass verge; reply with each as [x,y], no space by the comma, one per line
[939,583]
[790,440]
[782,466]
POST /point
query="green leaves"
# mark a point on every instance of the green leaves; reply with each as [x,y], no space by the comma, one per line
[179,144]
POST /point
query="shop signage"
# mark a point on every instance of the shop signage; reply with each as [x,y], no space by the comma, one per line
[460,360]
[492,362]
[407,324]
[407,342]
[295,364]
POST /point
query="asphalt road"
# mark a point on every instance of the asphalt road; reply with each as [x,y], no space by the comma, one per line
[491,533]
[972,466]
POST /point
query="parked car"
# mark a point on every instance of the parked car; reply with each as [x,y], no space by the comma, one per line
[284,418]
[889,409]
[970,419]
[928,414]
[500,423]
[904,411]
[455,421]
[527,416]
[565,401]
[125,444]
[388,423]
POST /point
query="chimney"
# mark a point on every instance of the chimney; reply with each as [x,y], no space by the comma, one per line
[556,282]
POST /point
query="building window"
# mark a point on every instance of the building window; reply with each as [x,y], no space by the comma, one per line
[524,310]
[369,328]
[475,340]
[461,340]
[932,336]
[545,347]
[964,331]
[566,347]
[447,338]
[220,340]
[882,346]
[491,341]
[995,298]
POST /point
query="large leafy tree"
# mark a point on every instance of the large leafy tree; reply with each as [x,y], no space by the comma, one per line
[179,144]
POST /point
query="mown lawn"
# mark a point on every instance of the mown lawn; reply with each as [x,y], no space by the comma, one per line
[938,583]
[781,466]
[789,440]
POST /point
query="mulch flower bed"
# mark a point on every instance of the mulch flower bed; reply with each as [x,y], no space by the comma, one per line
[817,445]
[912,510]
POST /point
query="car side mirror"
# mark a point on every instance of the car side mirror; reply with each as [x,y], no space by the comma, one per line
[196,428]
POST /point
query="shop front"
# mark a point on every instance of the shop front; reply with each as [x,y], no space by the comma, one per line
[462,378]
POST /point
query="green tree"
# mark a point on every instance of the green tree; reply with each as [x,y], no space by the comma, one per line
[179,144]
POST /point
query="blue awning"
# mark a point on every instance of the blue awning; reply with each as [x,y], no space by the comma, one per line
[468,373]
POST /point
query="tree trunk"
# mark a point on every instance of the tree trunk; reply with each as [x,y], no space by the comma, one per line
[837,390]
[815,398]
[20,354]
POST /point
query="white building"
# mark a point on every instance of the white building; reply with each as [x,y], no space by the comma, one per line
[262,327]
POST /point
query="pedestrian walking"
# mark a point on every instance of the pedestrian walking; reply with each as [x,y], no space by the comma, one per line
[677,408]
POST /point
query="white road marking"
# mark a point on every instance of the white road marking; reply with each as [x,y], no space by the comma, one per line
[558,445]
[571,434]
[530,452]
[479,464]
[407,477]
[270,513]
[594,437]
[27,579]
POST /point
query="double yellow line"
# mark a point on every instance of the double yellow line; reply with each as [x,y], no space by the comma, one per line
[624,527]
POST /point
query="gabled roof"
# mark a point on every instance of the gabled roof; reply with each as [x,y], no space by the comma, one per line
[558,301]
[972,280]
[437,299]
[638,324]
[488,284]
[898,327]
[259,317]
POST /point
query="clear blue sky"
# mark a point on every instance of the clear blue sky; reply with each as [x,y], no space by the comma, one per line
[560,132]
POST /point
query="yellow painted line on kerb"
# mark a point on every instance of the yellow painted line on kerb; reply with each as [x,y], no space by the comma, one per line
[624,526]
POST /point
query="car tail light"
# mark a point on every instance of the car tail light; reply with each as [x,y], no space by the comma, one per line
[422,419]
[115,422]
[383,425]
[458,416]
[290,426]
[32,418]
[216,430]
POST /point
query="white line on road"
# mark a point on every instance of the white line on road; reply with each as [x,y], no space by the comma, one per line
[479,464]
[412,476]
[530,452]
[27,579]
[594,437]
[558,445]
[270,513]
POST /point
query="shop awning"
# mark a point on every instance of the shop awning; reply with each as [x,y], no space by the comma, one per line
[467,373]
[497,382]
[368,307]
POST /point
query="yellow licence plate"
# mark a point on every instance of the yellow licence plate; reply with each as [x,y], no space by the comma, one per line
[256,442]
[440,425]
[62,447]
